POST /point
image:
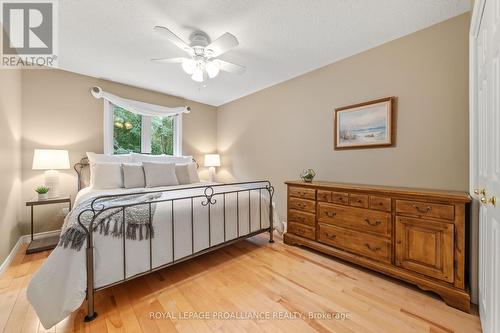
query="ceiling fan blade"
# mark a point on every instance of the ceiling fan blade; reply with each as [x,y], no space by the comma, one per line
[173,38]
[229,67]
[169,60]
[223,44]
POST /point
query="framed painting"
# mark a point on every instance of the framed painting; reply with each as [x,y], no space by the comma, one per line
[365,125]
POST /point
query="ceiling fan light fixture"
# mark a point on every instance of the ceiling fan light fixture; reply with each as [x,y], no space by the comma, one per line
[202,63]
[212,69]
[189,66]
[197,75]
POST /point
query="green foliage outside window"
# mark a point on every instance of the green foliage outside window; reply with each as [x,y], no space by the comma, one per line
[162,136]
[127,133]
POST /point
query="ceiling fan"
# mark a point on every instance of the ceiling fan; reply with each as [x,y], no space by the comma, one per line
[203,53]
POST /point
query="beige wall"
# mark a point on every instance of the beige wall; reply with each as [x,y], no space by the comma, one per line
[10,161]
[277,132]
[59,112]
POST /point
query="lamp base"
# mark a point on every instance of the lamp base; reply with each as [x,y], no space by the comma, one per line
[52,182]
[211,174]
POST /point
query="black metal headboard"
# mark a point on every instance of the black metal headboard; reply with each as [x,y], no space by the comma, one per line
[82,168]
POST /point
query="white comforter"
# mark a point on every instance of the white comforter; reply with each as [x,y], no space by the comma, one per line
[58,287]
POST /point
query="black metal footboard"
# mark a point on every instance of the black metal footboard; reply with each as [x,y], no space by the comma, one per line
[209,197]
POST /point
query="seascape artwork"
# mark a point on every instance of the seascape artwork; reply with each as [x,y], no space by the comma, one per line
[363,126]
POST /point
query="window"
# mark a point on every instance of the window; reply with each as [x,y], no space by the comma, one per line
[127,132]
[162,135]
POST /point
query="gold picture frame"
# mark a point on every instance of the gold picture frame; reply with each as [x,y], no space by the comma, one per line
[365,125]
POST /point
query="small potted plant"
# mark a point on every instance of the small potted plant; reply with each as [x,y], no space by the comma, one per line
[42,192]
[308,175]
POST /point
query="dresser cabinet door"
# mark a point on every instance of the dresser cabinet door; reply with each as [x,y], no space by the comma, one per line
[425,247]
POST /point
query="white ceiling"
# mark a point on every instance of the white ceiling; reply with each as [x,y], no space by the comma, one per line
[279,39]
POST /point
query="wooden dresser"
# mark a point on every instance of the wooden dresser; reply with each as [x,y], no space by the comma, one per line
[414,235]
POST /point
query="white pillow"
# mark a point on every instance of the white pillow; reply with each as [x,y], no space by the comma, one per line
[106,175]
[194,177]
[133,175]
[161,158]
[105,158]
[181,171]
[187,173]
[159,174]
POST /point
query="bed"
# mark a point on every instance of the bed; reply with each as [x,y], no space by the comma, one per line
[187,220]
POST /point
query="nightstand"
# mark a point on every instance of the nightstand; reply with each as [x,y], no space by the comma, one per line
[48,243]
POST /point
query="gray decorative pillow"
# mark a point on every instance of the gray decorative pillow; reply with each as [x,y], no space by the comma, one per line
[159,174]
[133,175]
[194,177]
[182,173]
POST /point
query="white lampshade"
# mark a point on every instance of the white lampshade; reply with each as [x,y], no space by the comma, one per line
[50,159]
[188,65]
[212,160]
[197,75]
[212,69]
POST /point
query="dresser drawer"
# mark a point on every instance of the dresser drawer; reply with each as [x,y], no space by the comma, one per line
[325,196]
[340,198]
[425,209]
[302,192]
[356,242]
[355,218]
[380,203]
[358,200]
[301,217]
[301,230]
[302,204]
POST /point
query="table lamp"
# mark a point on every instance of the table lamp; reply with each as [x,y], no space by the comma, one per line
[212,161]
[51,160]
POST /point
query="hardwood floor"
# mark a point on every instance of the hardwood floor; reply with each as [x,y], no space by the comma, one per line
[249,277]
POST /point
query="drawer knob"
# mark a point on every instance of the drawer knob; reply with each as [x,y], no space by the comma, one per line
[330,236]
[373,224]
[301,218]
[330,214]
[360,201]
[373,249]
[423,210]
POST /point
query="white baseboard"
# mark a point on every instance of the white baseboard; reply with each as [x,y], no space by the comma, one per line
[40,235]
[11,255]
[25,239]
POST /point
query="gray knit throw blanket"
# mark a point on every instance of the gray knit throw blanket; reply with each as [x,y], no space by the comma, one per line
[110,222]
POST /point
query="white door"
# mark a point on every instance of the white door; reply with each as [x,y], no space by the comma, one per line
[485,153]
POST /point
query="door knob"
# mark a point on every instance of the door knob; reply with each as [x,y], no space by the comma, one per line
[480,191]
[485,200]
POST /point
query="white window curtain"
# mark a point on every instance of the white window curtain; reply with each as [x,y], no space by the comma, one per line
[144,109]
